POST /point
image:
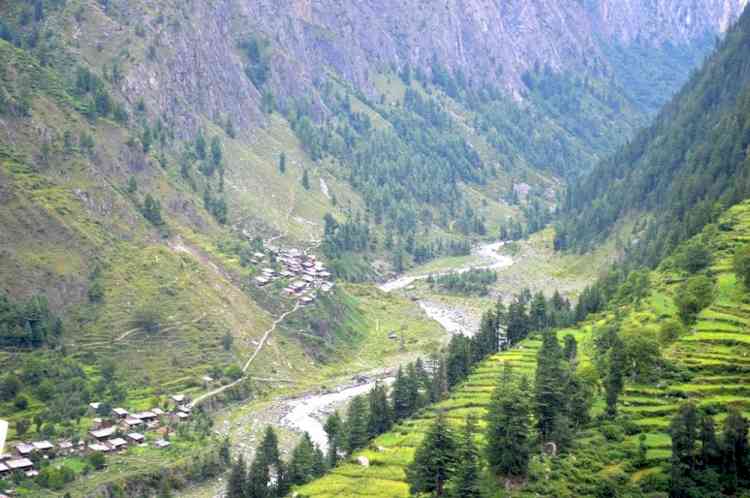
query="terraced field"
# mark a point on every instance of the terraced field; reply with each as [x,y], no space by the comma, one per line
[392,453]
[712,359]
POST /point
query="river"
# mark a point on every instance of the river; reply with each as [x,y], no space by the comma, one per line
[307,413]
[493,260]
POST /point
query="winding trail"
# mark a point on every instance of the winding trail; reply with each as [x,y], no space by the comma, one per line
[250,360]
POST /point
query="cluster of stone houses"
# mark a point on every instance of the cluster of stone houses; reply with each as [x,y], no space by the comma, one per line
[304,274]
[111,434]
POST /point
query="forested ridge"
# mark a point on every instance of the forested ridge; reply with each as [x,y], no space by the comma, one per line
[681,172]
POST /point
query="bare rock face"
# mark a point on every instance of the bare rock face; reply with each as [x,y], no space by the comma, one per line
[486,40]
[198,69]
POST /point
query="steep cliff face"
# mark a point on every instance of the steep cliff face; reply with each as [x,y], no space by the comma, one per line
[487,41]
[189,62]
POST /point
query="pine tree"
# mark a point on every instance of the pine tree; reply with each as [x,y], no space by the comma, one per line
[549,382]
[538,312]
[380,418]
[465,481]
[508,449]
[282,163]
[400,396]
[735,449]
[306,463]
[258,479]
[684,432]
[434,460]
[579,397]
[517,326]
[356,425]
[615,382]
[710,448]
[334,428]
[237,479]
[216,152]
[413,383]
[305,180]
[570,348]
[269,448]
[439,386]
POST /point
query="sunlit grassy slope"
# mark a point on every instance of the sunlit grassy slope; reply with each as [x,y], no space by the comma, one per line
[714,354]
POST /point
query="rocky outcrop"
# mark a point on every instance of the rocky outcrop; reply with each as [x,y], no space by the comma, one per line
[195,68]
[486,40]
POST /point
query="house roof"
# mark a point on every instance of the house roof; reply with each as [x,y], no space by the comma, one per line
[4,468]
[145,415]
[24,448]
[135,436]
[132,421]
[19,463]
[178,398]
[120,412]
[117,442]
[99,447]
[43,445]
[102,433]
[161,443]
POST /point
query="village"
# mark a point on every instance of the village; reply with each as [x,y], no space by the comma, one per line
[112,433]
[303,274]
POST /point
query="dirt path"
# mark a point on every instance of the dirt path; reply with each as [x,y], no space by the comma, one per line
[250,360]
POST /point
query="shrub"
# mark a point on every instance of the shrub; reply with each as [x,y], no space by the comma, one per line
[612,432]
[693,295]
[742,265]
[21,403]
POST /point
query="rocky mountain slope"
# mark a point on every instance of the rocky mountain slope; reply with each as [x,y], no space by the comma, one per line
[677,174]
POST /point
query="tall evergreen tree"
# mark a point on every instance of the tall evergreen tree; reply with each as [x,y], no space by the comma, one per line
[356,425]
[615,382]
[258,479]
[269,447]
[380,418]
[549,383]
[735,449]
[466,479]
[400,394]
[334,428]
[508,447]
[237,483]
[684,432]
[538,312]
[434,460]
[439,382]
[710,448]
[307,462]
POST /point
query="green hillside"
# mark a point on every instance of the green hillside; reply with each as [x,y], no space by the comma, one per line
[702,364]
[678,174]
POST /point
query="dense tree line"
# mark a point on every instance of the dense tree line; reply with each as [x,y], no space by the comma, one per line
[29,324]
[418,160]
[472,282]
[703,462]
[447,465]
[686,169]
